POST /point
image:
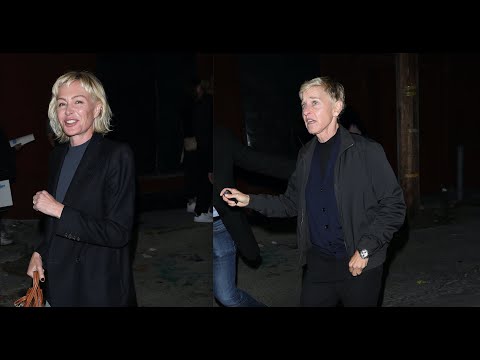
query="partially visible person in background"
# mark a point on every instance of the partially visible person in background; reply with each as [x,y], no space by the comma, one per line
[84,256]
[189,156]
[7,172]
[231,230]
[198,152]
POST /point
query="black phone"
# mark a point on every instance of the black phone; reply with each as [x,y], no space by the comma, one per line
[234,199]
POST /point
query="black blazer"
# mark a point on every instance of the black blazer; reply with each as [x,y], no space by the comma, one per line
[228,153]
[370,201]
[86,252]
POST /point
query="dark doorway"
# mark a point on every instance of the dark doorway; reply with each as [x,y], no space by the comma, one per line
[271,106]
[146,91]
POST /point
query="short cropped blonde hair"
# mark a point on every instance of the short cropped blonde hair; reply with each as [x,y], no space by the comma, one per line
[333,88]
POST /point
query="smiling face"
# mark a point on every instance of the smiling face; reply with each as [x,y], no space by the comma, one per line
[320,112]
[76,112]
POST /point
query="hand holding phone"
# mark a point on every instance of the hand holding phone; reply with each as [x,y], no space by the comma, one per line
[229,192]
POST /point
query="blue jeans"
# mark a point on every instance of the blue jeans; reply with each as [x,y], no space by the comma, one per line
[225,270]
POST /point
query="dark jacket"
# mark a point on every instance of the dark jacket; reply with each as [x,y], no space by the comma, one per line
[86,252]
[370,201]
[228,153]
[202,116]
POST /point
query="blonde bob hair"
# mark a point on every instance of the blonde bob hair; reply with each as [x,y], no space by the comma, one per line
[92,86]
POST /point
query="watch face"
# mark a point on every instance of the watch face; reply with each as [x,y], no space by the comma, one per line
[364,253]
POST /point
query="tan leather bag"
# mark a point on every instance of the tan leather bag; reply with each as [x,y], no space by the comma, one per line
[34,296]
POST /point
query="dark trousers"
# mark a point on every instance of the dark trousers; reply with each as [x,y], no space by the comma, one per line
[197,183]
[191,173]
[328,282]
[205,193]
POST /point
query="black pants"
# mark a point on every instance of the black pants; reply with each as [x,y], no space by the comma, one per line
[191,173]
[197,183]
[205,193]
[328,282]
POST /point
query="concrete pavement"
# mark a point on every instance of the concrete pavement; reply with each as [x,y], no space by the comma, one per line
[172,265]
[434,264]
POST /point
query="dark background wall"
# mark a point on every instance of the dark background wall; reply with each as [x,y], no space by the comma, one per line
[255,94]
[264,108]
[145,91]
[449,94]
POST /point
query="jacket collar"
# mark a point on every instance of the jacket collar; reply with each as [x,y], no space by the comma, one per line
[346,140]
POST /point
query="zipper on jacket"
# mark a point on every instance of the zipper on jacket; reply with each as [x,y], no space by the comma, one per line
[339,202]
[302,188]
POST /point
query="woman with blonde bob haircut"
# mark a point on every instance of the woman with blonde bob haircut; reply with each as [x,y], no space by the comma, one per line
[93,86]
[84,256]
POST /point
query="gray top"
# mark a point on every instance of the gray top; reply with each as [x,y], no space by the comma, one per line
[70,164]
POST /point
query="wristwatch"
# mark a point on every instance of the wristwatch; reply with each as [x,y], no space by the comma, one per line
[364,254]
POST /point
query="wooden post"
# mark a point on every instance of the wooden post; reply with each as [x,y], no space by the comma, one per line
[407,129]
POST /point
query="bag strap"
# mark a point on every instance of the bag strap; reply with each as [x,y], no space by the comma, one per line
[34,296]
